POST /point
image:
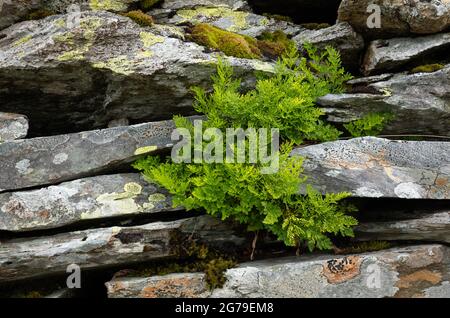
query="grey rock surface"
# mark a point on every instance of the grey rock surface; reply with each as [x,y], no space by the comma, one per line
[181,285]
[13,11]
[170,7]
[412,99]
[41,256]
[51,160]
[379,168]
[398,18]
[415,271]
[105,66]
[340,36]
[93,198]
[13,126]
[416,226]
[390,55]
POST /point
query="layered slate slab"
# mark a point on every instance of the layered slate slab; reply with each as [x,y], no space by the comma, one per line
[13,126]
[411,226]
[51,160]
[392,54]
[379,168]
[106,67]
[96,248]
[95,198]
[411,99]
[415,271]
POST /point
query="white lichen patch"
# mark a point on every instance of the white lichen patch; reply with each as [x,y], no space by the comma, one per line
[157,197]
[133,188]
[60,158]
[263,66]
[145,150]
[409,190]
[23,166]
[112,204]
[368,192]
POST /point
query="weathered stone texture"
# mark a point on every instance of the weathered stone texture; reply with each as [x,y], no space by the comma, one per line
[375,167]
[95,198]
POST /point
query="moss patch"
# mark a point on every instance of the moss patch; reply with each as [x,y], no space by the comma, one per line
[270,44]
[428,68]
[148,4]
[193,258]
[230,43]
[278,17]
[39,14]
[140,18]
[315,26]
[274,44]
[365,247]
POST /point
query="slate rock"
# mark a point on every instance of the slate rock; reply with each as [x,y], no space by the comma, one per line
[379,168]
[414,271]
[26,258]
[13,126]
[412,99]
[95,198]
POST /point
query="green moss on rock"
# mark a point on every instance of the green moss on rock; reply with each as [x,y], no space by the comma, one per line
[365,247]
[428,68]
[140,18]
[192,257]
[278,17]
[315,26]
[148,4]
[274,44]
[230,43]
[39,14]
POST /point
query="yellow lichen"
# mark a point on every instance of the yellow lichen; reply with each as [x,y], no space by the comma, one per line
[112,5]
[149,39]
[428,68]
[386,92]
[120,65]
[61,23]
[22,41]
[239,18]
[88,27]
[72,55]
[144,150]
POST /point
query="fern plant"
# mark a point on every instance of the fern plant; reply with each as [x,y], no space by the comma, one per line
[240,191]
[370,125]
